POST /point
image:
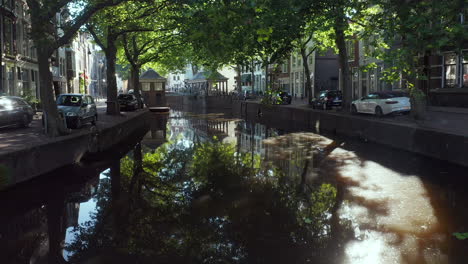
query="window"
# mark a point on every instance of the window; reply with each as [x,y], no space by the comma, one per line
[465,69]
[8,36]
[158,86]
[19,35]
[284,68]
[9,3]
[311,56]
[372,96]
[18,71]
[25,79]
[25,41]
[450,66]
[145,87]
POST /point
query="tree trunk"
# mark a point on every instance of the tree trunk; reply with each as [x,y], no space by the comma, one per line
[239,78]
[54,126]
[135,73]
[308,84]
[266,76]
[55,227]
[340,26]
[137,167]
[111,55]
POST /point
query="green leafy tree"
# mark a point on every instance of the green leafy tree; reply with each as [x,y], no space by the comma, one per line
[163,46]
[406,34]
[111,24]
[46,42]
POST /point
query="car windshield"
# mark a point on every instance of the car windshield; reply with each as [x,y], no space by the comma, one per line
[334,93]
[125,97]
[69,100]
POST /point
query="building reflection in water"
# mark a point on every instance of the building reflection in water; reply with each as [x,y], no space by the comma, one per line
[158,130]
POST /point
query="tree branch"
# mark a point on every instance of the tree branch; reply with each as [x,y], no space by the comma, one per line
[127,51]
[312,50]
[81,20]
[96,37]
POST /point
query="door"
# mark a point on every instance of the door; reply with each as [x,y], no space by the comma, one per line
[91,107]
[4,117]
[360,105]
[372,102]
[16,112]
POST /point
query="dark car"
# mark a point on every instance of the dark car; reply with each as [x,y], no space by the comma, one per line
[247,95]
[285,98]
[327,99]
[128,101]
[77,109]
[15,111]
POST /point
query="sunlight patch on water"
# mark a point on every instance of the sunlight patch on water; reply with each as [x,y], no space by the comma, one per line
[391,213]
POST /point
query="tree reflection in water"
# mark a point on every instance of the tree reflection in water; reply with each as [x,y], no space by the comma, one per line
[208,204]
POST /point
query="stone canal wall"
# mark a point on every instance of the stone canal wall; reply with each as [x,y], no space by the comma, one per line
[39,158]
[434,143]
[443,145]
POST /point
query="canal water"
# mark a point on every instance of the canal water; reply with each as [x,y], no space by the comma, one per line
[210,188]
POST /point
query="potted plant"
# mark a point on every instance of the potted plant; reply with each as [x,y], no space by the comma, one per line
[418,103]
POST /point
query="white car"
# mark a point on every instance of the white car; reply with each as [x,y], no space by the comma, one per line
[382,103]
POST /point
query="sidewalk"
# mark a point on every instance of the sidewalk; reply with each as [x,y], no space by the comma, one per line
[12,139]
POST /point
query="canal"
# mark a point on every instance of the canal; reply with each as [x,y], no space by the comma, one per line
[211,188]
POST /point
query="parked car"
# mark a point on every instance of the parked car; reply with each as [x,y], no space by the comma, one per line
[127,101]
[15,111]
[327,99]
[78,109]
[382,103]
[285,98]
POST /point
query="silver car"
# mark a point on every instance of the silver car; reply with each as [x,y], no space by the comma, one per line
[77,109]
[15,111]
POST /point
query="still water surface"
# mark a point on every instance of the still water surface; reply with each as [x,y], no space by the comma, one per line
[214,189]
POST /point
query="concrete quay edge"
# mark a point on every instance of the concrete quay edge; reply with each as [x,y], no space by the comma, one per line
[29,161]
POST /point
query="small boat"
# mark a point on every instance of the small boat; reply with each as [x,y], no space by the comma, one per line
[160,109]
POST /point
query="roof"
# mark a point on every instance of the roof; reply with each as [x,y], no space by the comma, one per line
[208,75]
[151,74]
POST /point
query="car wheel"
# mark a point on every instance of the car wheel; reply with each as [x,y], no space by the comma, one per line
[93,121]
[353,109]
[25,121]
[378,111]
